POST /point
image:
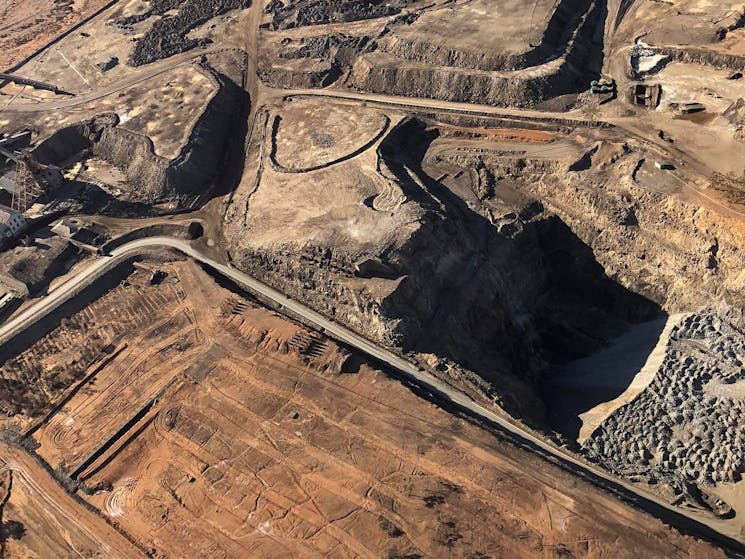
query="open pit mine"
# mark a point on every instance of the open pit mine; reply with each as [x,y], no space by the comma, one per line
[395,279]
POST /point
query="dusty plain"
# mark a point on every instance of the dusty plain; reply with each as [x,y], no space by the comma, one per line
[538,205]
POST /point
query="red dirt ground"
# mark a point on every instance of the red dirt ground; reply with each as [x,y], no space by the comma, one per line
[27,25]
[258,438]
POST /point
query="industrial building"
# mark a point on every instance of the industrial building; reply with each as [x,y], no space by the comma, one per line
[645,95]
[12,292]
[12,222]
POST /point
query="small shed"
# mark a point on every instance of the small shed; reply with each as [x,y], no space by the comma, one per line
[664,165]
[66,228]
[690,108]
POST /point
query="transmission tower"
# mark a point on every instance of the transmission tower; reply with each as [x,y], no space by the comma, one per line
[27,187]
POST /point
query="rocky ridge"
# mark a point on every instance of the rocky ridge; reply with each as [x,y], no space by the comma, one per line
[154,178]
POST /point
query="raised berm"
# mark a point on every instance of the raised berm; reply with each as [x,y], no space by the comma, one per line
[326,137]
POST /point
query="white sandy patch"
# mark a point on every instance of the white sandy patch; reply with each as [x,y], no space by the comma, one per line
[593,418]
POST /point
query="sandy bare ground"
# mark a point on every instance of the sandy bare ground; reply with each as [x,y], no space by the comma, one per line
[592,419]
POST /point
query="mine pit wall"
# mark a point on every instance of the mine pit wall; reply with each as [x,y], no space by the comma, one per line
[533,300]
[519,297]
[193,171]
[154,178]
[703,57]
[554,42]
[129,151]
[200,162]
[536,296]
[288,271]
[298,79]
[508,330]
[561,126]
[423,51]
[446,84]
[457,84]
[134,154]
[564,33]
[64,144]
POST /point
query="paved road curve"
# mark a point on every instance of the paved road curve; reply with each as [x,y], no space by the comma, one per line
[657,506]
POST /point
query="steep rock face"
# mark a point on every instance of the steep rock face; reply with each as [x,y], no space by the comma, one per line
[448,75]
[134,154]
[555,42]
[527,298]
[503,306]
[483,328]
[506,299]
[678,255]
[391,58]
[704,57]
[70,140]
[302,75]
[153,178]
[381,74]
[423,51]
[199,162]
[502,301]
[504,292]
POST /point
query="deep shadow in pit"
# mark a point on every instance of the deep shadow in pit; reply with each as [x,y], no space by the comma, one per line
[510,306]
[584,59]
[594,44]
[576,387]
[235,154]
[209,164]
[557,34]
[90,199]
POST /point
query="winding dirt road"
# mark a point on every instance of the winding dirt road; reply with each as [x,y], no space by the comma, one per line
[110,542]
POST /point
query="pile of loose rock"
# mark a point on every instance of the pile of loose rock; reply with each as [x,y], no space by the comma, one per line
[167,36]
[333,46]
[685,426]
[316,12]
